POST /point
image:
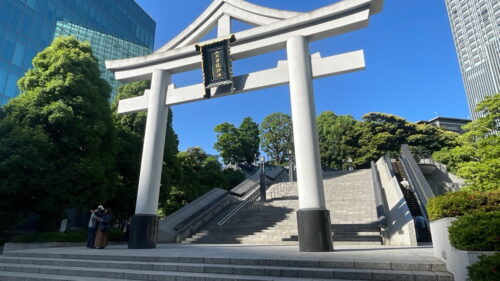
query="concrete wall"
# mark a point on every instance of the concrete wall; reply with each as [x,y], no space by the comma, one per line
[401,228]
[456,260]
[440,180]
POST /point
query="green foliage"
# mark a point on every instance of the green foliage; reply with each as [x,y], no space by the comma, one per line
[383,134]
[487,268]
[130,137]
[238,145]
[332,134]
[116,235]
[477,158]
[249,139]
[59,132]
[459,203]
[228,143]
[233,177]
[277,137]
[479,231]
[199,173]
[424,139]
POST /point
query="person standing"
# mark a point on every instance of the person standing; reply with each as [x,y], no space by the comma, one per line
[405,184]
[101,238]
[95,217]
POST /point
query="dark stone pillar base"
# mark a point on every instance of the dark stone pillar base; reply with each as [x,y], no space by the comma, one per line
[315,234]
[143,231]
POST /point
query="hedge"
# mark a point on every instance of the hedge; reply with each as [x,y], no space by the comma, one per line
[459,203]
[478,231]
[486,269]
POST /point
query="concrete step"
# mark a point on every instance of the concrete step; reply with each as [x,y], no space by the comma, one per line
[28,257]
[172,268]
[24,276]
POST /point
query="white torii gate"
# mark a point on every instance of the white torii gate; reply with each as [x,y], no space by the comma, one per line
[274,30]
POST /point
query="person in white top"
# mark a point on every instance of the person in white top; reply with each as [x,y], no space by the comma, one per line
[406,184]
[94,218]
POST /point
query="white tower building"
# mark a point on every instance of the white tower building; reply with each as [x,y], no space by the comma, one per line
[476,30]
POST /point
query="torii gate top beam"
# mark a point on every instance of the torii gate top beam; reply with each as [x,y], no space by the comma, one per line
[328,21]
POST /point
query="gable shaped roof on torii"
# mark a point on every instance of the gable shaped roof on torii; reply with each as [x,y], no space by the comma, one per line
[272,29]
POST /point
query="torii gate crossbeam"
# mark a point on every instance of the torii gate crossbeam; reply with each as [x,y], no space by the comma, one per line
[290,30]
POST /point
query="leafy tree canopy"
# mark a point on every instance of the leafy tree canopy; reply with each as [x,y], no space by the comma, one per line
[59,131]
[477,157]
[238,145]
[199,173]
[332,130]
[276,133]
[376,135]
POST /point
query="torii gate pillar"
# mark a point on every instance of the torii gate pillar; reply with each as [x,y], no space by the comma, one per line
[144,224]
[313,218]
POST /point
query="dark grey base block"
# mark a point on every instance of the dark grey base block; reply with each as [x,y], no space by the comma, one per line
[315,234]
[143,232]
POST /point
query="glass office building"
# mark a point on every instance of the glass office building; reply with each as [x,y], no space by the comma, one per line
[476,31]
[115,28]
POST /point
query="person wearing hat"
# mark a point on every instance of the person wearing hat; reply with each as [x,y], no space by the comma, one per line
[101,237]
[95,217]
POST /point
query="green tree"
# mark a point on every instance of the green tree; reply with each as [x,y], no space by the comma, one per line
[238,145]
[228,143]
[130,138]
[199,173]
[383,134]
[425,139]
[57,139]
[276,134]
[249,139]
[332,134]
[477,157]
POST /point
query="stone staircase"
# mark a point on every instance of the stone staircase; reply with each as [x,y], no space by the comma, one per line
[26,265]
[349,197]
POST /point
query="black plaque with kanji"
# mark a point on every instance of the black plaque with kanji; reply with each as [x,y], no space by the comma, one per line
[216,64]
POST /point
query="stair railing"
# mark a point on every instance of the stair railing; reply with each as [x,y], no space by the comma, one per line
[277,190]
[251,199]
[245,203]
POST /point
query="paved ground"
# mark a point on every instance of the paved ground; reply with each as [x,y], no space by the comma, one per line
[350,253]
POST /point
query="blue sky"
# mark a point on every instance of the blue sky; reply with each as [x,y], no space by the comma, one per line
[411,68]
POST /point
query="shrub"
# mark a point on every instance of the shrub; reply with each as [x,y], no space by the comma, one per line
[479,231]
[116,235]
[459,203]
[487,268]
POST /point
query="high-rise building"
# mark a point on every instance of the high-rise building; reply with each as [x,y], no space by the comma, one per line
[476,30]
[115,29]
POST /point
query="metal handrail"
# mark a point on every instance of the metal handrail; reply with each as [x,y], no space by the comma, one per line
[254,194]
[277,189]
